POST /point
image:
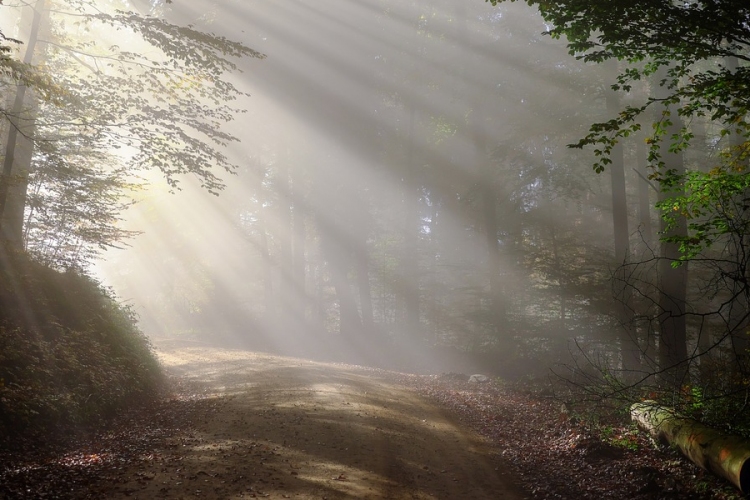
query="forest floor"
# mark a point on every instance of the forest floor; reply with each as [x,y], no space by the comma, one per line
[249,425]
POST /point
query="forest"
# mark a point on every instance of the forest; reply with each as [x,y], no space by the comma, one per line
[547,194]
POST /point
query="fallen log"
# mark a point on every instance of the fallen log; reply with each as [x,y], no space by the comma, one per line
[724,455]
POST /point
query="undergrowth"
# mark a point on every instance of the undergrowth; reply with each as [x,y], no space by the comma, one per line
[71,356]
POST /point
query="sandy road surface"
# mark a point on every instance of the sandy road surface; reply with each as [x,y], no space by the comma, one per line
[285,428]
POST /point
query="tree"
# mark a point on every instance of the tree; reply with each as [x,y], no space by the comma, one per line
[22,128]
[684,47]
[167,114]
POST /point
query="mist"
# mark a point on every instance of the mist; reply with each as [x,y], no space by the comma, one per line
[374,248]
[405,198]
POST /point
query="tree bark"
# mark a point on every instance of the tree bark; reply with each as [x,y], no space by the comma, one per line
[363,283]
[724,455]
[284,237]
[489,221]
[644,200]
[740,308]
[672,280]
[619,198]
[15,207]
[349,322]
[409,263]
[629,349]
[11,230]
[299,244]
[267,274]
[560,278]
[489,205]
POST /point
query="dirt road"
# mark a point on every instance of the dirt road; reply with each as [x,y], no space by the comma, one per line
[286,428]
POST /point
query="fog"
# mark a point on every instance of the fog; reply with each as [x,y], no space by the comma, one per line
[405,198]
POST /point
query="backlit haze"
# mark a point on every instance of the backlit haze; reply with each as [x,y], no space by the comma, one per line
[376,135]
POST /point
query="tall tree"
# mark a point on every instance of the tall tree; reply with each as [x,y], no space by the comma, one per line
[21,120]
[682,46]
[673,277]
[168,112]
[630,351]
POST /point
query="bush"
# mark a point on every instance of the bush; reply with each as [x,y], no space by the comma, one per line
[70,354]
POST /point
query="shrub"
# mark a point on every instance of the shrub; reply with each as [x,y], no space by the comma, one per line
[70,354]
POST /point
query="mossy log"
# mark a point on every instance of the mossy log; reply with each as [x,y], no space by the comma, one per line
[725,455]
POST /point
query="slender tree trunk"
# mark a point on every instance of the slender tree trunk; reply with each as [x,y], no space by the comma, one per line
[672,299]
[704,163]
[349,321]
[672,280]
[560,279]
[318,312]
[299,243]
[298,299]
[489,205]
[15,207]
[488,201]
[644,200]
[267,275]
[284,236]
[619,198]
[409,272]
[629,349]
[19,148]
[646,337]
[363,284]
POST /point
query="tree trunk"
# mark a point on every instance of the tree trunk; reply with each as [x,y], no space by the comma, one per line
[284,236]
[740,308]
[646,337]
[619,198]
[489,221]
[299,241]
[363,283]
[11,228]
[409,272]
[672,280]
[349,322]
[644,200]
[15,207]
[672,321]
[629,349]
[267,276]
[724,455]
[489,204]
[560,278]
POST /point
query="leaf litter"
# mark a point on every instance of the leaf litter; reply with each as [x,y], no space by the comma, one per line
[550,455]
[558,457]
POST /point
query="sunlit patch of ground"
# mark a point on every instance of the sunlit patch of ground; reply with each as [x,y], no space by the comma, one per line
[288,428]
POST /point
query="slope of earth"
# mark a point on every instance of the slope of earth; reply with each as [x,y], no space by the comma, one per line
[258,426]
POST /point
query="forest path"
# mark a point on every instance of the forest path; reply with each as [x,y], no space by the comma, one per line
[273,427]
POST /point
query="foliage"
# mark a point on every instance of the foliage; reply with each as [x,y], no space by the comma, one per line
[560,453]
[716,205]
[69,353]
[169,107]
[691,59]
[104,112]
[73,205]
[15,72]
[692,50]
